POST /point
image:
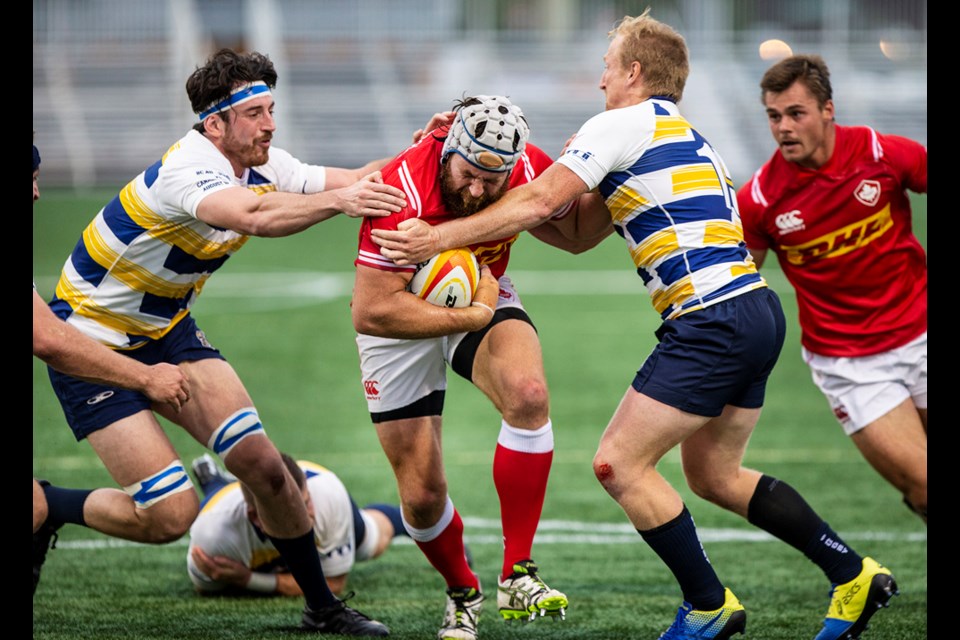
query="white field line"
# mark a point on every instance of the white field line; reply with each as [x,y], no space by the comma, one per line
[565,532]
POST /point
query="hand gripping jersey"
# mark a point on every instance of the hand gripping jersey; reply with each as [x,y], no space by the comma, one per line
[142,262]
[417,172]
[843,236]
[671,199]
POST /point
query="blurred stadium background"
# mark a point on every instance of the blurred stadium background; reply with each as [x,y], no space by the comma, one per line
[358,76]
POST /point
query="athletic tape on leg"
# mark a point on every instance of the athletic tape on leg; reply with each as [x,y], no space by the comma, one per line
[172,479]
[243,423]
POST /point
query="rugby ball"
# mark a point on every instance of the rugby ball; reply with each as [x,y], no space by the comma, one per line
[448,279]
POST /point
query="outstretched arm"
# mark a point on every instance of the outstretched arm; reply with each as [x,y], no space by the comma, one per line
[580,228]
[277,214]
[519,209]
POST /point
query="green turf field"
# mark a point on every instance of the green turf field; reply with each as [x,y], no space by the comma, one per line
[279,312]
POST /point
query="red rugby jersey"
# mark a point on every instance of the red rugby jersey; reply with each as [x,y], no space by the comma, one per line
[843,235]
[417,172]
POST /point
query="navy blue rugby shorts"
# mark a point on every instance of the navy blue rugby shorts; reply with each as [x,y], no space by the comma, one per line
[716,356]
[89,407]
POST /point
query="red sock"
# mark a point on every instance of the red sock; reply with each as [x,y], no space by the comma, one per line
[521,481]
[447,555]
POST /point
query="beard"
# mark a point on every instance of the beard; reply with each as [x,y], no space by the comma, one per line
[249,154]
[459,202]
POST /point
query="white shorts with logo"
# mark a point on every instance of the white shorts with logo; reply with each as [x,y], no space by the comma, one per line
[860,390]
[396,373]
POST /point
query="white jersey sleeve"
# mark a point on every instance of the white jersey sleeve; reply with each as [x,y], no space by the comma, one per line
[194,168]
[609,141]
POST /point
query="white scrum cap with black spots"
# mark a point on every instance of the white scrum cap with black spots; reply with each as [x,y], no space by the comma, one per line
[490,135]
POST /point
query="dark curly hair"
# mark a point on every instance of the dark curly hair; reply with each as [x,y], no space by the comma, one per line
[223,71]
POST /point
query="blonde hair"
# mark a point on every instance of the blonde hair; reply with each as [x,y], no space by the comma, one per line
[660,50]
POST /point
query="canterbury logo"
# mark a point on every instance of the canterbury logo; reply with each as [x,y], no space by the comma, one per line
[841,414]
[789,222]
[100,397]
[842,241]
[370,387]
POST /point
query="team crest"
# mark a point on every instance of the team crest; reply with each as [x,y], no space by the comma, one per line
[202,338]
[868,192]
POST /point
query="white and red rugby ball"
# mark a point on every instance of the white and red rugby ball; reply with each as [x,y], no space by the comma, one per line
[448,279]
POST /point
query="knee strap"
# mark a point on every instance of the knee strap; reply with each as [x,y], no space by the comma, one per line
[243,423]
[170,480]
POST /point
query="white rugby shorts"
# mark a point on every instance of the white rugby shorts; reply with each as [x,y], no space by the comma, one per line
[860,390]
[397,373]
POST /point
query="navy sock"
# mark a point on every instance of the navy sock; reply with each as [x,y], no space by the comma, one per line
[64,505]
[359,526]
[392,512]
[303,560]
[778,509]
[838,561]
[678,545]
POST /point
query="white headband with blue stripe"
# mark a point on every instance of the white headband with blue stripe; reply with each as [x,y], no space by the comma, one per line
[239,95]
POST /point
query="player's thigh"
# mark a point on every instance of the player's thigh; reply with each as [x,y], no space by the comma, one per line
[133,448]
[508,366]
[216,394]
[895,445]
[643,430]
[136,453]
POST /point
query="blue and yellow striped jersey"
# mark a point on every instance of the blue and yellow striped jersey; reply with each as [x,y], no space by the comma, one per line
[671,199]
